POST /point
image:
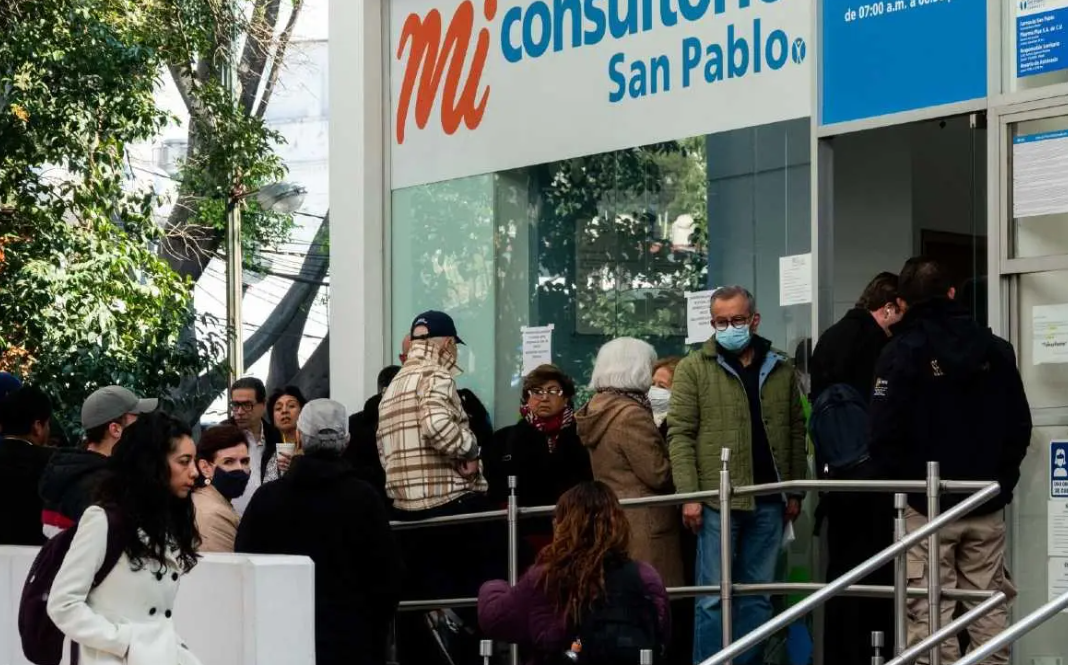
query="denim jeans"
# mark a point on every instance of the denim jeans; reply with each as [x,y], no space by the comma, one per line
[756,538]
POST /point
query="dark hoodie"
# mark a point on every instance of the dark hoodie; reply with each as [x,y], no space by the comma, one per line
[323,510]
[68,487]
[947,390]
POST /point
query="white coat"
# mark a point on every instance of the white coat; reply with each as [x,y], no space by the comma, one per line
[127,619]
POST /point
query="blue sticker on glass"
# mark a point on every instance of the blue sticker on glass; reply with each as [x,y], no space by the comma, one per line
[1058,469]
[892,56]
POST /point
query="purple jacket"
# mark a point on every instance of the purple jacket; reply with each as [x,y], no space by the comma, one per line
[525,616]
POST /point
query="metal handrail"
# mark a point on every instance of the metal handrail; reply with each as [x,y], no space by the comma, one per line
[834,588]
[950,630]
[767,489]
[932,488]
[774,589]
[1016,631]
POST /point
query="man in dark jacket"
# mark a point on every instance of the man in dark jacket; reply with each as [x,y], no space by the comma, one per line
[321,509]
[24,454]
[362,452]
[947,390]
[69,484]
[859,524]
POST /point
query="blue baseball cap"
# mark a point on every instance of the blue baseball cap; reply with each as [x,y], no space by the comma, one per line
[9,383]
[438,324]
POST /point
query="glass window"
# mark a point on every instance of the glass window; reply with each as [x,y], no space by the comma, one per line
[603,246]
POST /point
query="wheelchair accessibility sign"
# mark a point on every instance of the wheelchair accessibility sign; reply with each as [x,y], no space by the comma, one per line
[1058,469]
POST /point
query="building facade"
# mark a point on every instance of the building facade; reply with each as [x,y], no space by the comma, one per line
[587,164]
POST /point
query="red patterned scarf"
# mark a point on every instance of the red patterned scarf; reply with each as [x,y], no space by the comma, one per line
[550,427]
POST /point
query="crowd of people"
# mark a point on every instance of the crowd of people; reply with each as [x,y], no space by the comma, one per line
[288,476]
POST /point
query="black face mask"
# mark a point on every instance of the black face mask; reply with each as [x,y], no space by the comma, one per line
[231,484]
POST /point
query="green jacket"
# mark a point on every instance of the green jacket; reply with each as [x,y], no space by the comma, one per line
[710,411]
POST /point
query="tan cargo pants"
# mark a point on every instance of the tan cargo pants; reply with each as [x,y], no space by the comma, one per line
[972,557]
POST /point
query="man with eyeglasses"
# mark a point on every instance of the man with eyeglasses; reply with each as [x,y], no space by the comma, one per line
[736,392]
[248,405]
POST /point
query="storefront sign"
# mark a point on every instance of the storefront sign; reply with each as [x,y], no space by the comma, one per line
[888,56]
[485,85]
[1041,42]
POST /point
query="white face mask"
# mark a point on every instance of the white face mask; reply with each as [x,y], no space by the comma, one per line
[660,399]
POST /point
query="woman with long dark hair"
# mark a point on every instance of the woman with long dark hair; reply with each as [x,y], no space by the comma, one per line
[586,564]
[146,503]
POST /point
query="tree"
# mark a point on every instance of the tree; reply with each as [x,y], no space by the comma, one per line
[86,301]
[93,291]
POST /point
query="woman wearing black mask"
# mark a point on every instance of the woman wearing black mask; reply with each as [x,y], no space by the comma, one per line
[223,462]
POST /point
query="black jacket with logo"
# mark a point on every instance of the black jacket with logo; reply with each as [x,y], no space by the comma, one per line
[948,390]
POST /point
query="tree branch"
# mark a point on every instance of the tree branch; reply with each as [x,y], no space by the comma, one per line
[257,48]
[278,61]
[314,378]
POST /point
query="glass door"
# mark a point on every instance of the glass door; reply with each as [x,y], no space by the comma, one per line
[1034,293]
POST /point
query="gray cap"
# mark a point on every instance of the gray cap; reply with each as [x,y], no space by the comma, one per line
[112,403]
[323,423]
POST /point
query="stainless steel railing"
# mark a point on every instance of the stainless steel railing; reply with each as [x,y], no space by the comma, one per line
[933,488]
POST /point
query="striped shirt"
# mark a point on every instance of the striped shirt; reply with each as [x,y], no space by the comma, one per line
[423,434]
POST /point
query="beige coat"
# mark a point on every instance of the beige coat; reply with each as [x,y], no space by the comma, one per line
[216,520]
[629,455]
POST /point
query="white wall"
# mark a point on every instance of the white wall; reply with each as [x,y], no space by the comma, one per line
[892,184]
[872,210]
[231,610]
[359,250]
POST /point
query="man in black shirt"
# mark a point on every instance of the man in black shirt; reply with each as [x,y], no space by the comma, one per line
[24,416]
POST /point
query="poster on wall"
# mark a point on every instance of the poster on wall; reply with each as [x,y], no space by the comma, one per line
[795,280]
[1058,578]
[478,86]
[1040,40]
[1049,334]
[699,316]
[891,56]
[537,347]
[1040,174]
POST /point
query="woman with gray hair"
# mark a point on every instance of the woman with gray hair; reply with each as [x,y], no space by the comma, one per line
[321,509]
[629,454]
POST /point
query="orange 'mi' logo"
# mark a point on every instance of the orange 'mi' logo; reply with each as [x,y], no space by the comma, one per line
[428,57]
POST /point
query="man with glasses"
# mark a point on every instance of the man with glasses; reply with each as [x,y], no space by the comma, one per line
[248,405]
[736,392]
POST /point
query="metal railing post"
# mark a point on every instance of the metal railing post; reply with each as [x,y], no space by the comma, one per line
[934,559]
[878,641]
[645,657]
[513,552]
[485,649]
[901,578]
[391,647]
[726,555]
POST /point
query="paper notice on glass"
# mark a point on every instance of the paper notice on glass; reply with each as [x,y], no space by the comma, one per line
[1040,174]
[1057,528]
[1049,334]
[1057,579]
[699,316]
[537,347]
[795,280]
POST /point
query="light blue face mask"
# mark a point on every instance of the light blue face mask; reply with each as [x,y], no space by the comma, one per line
[734,339]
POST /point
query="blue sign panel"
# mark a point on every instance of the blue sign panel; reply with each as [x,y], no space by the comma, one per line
[1058,469]
[1041,45]
[891,56]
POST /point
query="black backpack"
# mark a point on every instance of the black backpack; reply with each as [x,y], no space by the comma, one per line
[839,430]
[622,623]
[42,640]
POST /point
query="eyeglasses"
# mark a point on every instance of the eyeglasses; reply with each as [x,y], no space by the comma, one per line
[543,392]
[733,322]
[242,406]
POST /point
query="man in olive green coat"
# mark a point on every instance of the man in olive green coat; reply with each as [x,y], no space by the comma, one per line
[736,392]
